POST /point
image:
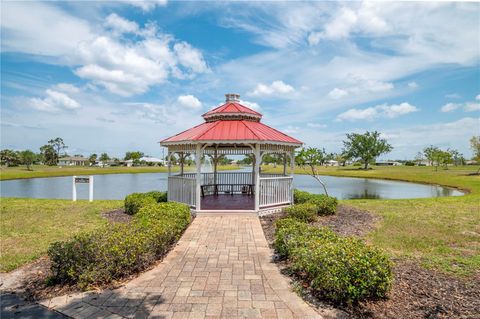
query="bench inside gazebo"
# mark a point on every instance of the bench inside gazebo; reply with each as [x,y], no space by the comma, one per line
[231,129]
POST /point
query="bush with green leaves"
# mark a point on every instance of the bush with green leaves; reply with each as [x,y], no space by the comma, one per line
[326,205]
[341,269]
[135,201]
[306,212]
[115,251]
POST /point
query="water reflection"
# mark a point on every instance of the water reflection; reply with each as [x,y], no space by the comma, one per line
[117,186]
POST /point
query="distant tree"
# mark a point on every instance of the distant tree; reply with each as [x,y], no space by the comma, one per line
[92,159]
[419,158]
[475,146]
[27,158]
[104,158]
[431,153]
[58,146]
[457,157]
[49,156]
[247,160]
[310,159]
[9,157]
[366,147]
[135,156]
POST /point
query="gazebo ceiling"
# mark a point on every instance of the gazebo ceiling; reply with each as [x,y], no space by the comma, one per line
[231,123]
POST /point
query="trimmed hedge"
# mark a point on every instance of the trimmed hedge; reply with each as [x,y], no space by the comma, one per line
[326,205]
[115,251]
[306,212]
[337,268]
[135,201]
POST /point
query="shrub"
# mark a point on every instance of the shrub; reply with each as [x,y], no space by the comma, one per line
[340,269]
[306,212]
[408,163]
[327,205]
[116,251]
[135,201]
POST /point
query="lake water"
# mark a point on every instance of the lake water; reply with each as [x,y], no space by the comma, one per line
[117,186]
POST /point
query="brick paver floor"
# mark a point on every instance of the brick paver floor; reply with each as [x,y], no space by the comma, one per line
[221,268]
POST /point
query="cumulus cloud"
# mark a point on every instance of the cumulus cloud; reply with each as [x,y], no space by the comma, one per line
[54,101]
[316,125]
[120,25]
[276,87]
[189,101]
[337,93]
[466,106]
[379,111]
[359,86]
[127,67]
[252,105]
[412,85]
[67,88]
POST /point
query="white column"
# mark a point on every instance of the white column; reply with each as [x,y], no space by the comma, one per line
[169,163]
[74,189]
[258,160]
[292,174]
[215,162]
[182,159]
[90,188]
[198,164]
[284,164]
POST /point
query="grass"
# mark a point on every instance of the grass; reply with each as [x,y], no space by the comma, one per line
[29,226]
[441,233]
[20,172]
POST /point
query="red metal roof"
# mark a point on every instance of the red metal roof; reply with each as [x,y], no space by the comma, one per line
[231,107]
[239,130]
[231,122]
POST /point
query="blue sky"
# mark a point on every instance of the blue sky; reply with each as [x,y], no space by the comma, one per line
[119,76]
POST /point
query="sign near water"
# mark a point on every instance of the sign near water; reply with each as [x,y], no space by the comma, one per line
[82,180]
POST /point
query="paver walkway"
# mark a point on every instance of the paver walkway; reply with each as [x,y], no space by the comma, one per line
[221,268]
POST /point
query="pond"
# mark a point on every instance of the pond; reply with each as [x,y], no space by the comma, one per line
[117,186]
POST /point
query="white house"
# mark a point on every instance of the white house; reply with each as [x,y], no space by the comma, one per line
[73,161]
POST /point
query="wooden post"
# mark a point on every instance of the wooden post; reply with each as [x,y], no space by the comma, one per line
[198,164]
[284,164]
[169,163]
[90,189]
[258,160]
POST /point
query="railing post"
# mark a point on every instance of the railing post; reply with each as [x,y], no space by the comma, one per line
[198,164]
[257,177]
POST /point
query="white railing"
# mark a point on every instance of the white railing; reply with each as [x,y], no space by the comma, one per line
[275,190]
[182,189]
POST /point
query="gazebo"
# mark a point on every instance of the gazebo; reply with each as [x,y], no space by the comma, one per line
[231,129]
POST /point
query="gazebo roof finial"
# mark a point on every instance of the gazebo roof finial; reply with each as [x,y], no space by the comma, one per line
[232,97]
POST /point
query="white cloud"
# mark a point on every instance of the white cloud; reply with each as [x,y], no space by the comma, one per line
[316,125]
[450,107]
[127,68]
[412,85]
[466,106]
[337,93]
[291,130]
[54,101]
[360,86]
[190,57]
[189,101]
[453,96]
[275,88]
[67,88]
[146,5]
[120,25]
[40,28]
[252,105]
[379,111]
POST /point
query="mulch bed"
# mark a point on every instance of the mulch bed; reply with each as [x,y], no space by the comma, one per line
[117,216]
[416,293]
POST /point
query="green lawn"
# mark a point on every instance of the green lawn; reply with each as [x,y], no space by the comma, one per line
[20,172]
[441,233]
[29,226]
